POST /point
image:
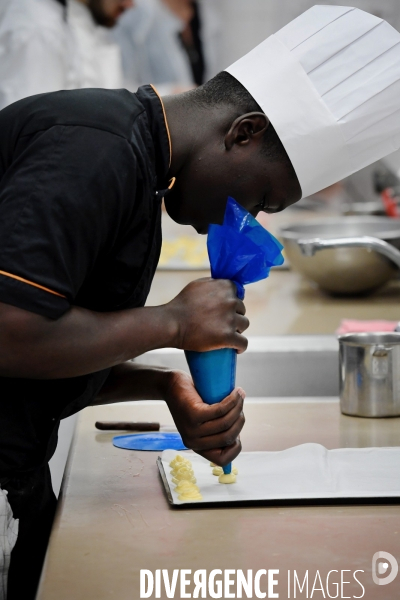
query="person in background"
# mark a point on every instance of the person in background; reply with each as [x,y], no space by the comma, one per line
[210,16]
[191,37]
[100,63]
[50,45]
[157,42]
[36,50]
[151,49]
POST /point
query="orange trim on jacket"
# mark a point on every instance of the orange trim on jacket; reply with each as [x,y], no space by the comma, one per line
[40,287]
[166,124]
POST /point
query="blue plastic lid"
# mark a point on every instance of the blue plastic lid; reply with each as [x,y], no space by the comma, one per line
[150,441]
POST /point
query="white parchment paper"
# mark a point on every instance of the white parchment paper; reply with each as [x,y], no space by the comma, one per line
[303,472]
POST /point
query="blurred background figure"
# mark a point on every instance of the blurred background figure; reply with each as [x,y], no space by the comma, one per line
[99,56]
[36,49]
[201,38]
[49,45]
[171,43]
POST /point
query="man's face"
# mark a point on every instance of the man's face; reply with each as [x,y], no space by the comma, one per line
[107,12]
[202,187]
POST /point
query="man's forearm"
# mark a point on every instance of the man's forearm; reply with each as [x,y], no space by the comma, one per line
[206,315]
[80,342]
[131,381]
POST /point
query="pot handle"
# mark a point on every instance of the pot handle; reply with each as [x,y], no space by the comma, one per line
[381,352]
[310,246]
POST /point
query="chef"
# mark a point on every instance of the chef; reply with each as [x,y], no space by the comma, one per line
[82,175]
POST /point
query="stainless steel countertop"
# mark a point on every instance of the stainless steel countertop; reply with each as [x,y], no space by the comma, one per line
[113,518]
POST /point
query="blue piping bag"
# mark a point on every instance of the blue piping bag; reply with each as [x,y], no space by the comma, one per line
[243,251]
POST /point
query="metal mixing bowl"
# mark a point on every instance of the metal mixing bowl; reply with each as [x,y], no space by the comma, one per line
[344,270]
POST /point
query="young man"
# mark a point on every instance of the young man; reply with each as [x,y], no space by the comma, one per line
[82,178]
[82,175]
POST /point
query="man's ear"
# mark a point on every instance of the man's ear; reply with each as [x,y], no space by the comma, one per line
[246,128]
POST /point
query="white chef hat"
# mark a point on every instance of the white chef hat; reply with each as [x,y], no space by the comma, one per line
[329,82]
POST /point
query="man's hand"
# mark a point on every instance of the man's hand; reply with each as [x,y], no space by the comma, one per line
[209,316]
[210,430]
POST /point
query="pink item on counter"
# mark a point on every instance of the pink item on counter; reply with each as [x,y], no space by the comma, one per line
[355,326]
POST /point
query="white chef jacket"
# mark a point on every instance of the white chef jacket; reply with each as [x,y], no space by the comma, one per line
[100,63]
[36,50]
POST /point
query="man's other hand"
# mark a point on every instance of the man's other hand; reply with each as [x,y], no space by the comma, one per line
[210,430]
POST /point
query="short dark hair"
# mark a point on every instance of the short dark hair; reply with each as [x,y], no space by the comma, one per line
[225,89]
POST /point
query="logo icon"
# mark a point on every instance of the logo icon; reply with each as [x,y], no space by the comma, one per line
[381,561]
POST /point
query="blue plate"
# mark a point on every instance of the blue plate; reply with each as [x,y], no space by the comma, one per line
[150,441]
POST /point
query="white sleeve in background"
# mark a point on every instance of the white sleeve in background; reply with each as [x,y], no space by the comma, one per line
[151,50]
[99,57]
[8,537]
[30,65]
[36,50]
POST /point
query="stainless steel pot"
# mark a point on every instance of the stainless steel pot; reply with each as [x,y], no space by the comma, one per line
[359,253]
[369,374]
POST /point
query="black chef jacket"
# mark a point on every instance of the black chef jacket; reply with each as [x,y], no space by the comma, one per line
[81,180]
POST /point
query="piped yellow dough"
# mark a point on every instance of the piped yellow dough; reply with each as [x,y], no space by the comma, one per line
[184,479]
[179,461]
[190,495]
[184,473]
[183,485]
[189,492]
[217,471]
[175,481]
[184,469]
[229,478]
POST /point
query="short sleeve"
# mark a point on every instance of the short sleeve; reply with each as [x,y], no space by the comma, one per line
[63,203]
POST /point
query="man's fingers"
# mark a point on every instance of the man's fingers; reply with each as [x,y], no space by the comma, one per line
[240,343]
[210,412]
[216,425]
[222,456]
[229,453]
[219,440]
[242,323]
[223,423]
[240,307]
